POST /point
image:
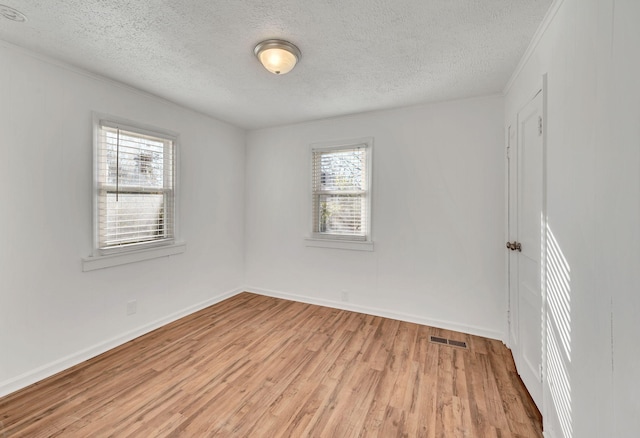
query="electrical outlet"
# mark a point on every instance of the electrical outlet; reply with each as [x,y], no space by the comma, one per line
[345,296]
[132,307]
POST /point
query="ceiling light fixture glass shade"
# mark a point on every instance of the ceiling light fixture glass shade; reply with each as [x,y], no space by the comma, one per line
[277,56]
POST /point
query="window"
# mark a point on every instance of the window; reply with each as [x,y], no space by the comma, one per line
[341,191]
[135,179]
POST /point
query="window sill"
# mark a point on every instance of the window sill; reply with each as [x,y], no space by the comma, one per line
[124,258]
[339,244]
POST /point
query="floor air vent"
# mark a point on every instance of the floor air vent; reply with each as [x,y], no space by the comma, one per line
[437,340]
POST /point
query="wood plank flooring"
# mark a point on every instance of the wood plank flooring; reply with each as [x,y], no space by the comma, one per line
[255,366]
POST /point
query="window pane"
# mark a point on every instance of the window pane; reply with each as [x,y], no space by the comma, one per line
[135,186]
[340,214]
[133,218]
[133,160]
[341,191]
[342,170]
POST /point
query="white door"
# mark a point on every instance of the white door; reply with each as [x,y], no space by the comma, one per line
[525,235]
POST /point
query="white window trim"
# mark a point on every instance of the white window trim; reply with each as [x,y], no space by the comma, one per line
[353,245]
[319,240]
[101,258]
[106,261]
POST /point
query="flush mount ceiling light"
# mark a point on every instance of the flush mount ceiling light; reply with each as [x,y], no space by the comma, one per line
[11,14]
[277,56]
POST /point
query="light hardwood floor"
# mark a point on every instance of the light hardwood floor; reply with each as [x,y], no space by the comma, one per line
[254,366]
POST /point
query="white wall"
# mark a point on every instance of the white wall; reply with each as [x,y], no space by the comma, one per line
[619,218]
[438,216]
[590,52]
[51,313]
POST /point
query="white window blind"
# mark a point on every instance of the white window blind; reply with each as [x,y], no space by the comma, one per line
[341,192]
[135,187]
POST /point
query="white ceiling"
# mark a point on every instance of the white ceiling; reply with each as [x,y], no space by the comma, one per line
[357,55]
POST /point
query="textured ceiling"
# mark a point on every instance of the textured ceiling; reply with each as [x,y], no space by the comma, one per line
[357,55]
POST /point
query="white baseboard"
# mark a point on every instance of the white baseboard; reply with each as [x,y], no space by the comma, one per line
[448,325]
[33,376]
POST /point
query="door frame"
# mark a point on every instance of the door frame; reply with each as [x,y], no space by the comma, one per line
[510,160]
[547,402]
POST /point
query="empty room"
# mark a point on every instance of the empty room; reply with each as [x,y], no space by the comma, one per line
[320,219]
